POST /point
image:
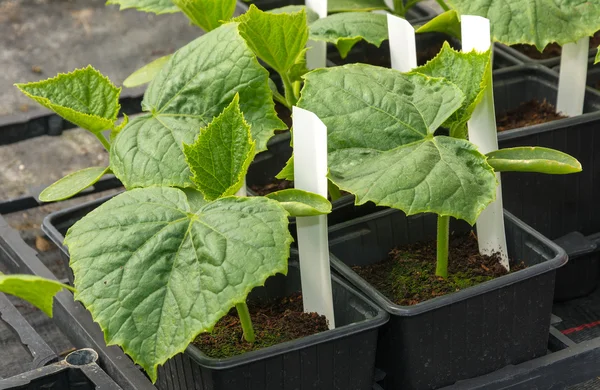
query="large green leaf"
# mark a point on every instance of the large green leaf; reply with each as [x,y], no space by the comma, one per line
[72,184]
[277,39]
[154,6]
[38,291]
[301,203]
[220,157]
[155,273]
[84,97]
[146,73]
[533,159]
[381,147]
[207,14]
[311,15]
[538,22]
[470,72]
[334,6]
[346,29]
[197,83]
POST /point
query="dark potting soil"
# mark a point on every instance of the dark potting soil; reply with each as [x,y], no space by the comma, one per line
[529,113]
[273,186]
[274,322]
[285,115]
[408,277]
[552,50]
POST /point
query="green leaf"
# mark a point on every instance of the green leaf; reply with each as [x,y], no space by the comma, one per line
[346,29]
[597,59]
[146,73]
[207,14]
[443,175]
[533,159]
[220,157]
[380,126]
[377,107]
[277,39]
[84,97]
[311,15]
[38,291]
[468,71]
[301,203]
[197,83]
[447,23]
[154,274]
[287,173]
[537,22]
[72,184]
[117,129]
[154,6]
[195,198]
[334,6]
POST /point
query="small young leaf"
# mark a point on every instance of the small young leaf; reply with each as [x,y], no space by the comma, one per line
[301,203]
[207,14]
[287,173]
[277,39]
[468,71]
[311,15]
[222,153]
[447,23]
[346,29]
[154,273]
[117,129]
[38,291]
[535,22]
[146,73]
[533,159]
[334,6]
[154,6]
[84,97]
[195,85]
[72,184]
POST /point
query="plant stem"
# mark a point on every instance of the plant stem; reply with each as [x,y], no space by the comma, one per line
[104,141]
[399,8]
[443,233]
[244,314]
[288,87]
[443,5]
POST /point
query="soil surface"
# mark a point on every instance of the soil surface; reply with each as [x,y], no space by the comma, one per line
[272,186]
[408,277]
[552,50]
[274,323]
[529,113]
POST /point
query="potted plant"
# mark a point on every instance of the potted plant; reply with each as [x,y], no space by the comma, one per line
[411,167]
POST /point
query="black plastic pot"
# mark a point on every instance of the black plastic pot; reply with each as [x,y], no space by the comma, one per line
[549,62]
[78,371]
[554,205]
[341,359]
[460,335]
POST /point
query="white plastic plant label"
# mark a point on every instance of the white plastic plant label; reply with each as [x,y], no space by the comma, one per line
[316,56]
[310,174]
[573,74]
[403,48]
[491,235]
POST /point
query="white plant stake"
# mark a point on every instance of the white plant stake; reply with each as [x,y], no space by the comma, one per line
[482,132]
[316,57]
[310,174]
[573,73]
[403,48]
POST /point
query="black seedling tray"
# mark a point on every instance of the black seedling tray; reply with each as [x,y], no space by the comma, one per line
[549,62]
[78,371]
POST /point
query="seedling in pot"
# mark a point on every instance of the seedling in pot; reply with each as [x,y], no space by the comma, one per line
[569,24]
[382,145]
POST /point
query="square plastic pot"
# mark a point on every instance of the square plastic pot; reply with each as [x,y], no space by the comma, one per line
[338,359]
[460,335]
[549,62]
[555,205]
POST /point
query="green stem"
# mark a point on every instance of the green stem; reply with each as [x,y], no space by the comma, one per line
[288,87]
[443,233]
[443,5]
[104,141]
[244,314]
[399,8]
